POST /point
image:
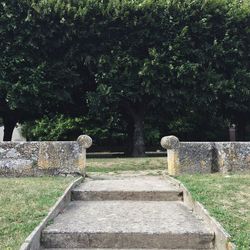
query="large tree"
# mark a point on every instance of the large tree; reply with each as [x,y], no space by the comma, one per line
[19,73]
[151,60]
[41,70]
[130,41]
[175,58]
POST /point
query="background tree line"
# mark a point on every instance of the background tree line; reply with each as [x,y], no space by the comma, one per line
[125,72]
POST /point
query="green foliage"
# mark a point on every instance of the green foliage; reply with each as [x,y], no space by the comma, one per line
[198,127]
[56,128]
[40,71]
[189,58]
[165,66]
[21,77]
[67,128]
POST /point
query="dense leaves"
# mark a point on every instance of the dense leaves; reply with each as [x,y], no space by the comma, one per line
[160,66]
[40,71]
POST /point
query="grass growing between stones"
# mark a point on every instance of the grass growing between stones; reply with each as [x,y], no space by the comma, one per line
[227,198]
[24,202]
[126,164]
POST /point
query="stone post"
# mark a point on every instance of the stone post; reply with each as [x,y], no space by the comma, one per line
[172,144]
[232,132]
[84,142]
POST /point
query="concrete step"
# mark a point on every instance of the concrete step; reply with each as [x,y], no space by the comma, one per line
[151,188]
[127,225]
[112,249]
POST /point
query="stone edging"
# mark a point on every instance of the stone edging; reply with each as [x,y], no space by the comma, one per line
[36,158]
[205,157]
[222,238]
[32,242]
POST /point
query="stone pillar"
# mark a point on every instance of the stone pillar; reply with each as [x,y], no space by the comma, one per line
[232,132]
[172,144]
[84,142]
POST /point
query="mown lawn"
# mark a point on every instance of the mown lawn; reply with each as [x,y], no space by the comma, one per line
[126,164]
[227,198]
[24,202]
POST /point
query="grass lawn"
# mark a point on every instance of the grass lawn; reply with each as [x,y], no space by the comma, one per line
[227,198]
[24,202]
[126,164]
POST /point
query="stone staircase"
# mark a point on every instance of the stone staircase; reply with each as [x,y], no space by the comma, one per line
[143,212]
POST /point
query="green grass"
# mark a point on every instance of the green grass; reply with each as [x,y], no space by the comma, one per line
[126,164]
[24,202]
[227,198]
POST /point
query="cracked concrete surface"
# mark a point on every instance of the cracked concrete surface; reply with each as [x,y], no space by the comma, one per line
[127,212]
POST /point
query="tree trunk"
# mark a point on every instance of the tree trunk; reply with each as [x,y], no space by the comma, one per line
[130,132]
[241,130]
[138,136]
[9,125]
[135,114]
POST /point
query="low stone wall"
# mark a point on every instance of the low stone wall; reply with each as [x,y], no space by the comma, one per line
[232,156]
[39,158]
[206,157]
[18,158]
[196,157]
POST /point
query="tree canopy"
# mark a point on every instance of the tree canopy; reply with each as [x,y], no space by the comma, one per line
[40,71]
[129,66]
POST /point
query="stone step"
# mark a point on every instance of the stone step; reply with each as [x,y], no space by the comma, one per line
[127,225]
[116,249]
[151,188]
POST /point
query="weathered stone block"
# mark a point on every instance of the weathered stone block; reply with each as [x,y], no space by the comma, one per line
[59,157]
[39,158]
[206,157]
[18,158]
[16,150]
[195,157]
[232,156]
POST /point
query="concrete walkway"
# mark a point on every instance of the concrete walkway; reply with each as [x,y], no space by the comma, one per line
[127,212]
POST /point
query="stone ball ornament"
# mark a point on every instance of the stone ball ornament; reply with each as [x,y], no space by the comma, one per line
[170,142]
[85,141]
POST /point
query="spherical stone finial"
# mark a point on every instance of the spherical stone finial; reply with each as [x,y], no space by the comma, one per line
[170,142]
[85,141]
